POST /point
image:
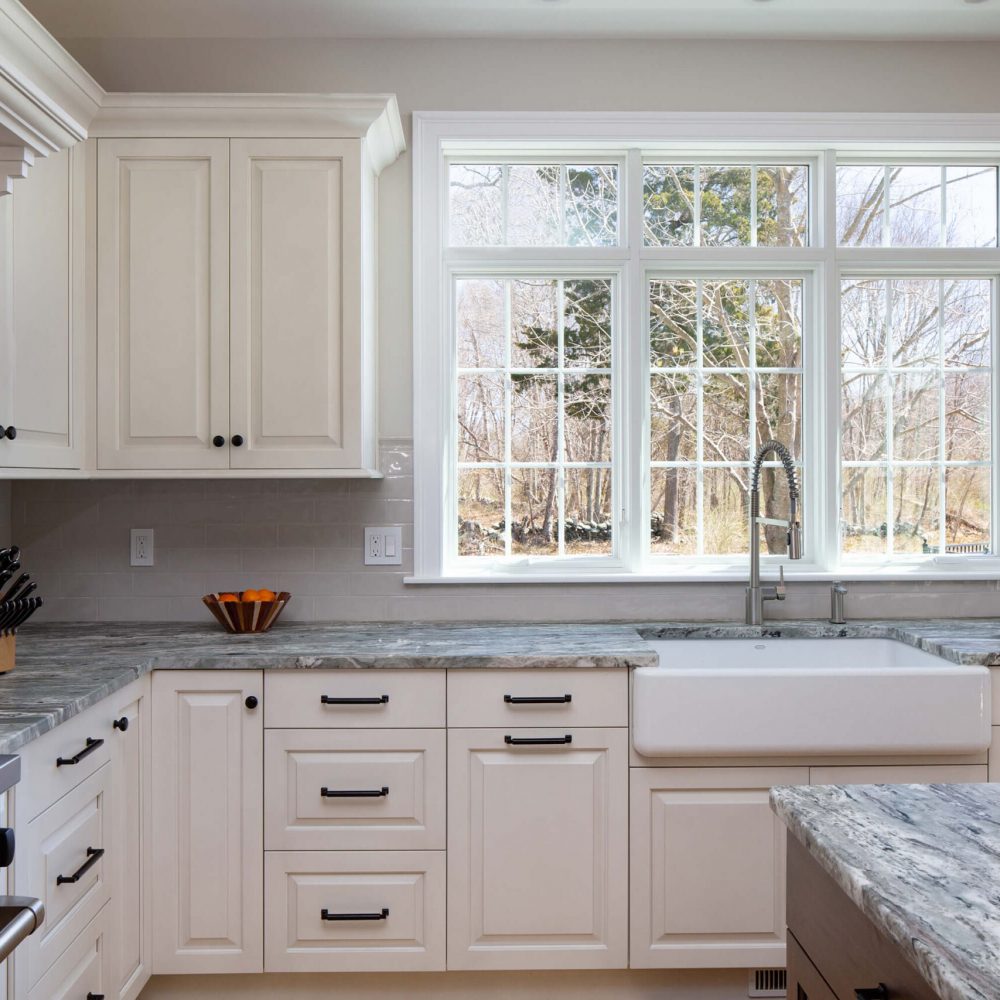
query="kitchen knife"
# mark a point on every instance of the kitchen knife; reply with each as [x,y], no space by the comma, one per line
[9,556]
[25,591]
[31,605]
[15,587]
[10,610]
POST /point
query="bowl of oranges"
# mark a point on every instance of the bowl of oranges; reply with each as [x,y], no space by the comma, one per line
[254,610]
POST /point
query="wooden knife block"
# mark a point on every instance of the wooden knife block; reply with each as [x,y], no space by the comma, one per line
[7,644]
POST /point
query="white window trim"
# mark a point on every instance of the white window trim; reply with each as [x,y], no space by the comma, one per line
[812,137]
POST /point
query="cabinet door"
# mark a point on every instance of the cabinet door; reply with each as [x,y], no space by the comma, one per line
[537,850]
[131,933]
[297,340]
[163,303]
[40,330]
[707,867]
[900,774]
[208,822]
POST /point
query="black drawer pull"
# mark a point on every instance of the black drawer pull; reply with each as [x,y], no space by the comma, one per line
[89,747]
[327,699]
[358,793]
[873,993]
[383,914]
[537,741]
[555,699]
[95,996]
[94,854]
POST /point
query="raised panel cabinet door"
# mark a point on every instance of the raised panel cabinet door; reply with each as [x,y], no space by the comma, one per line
[162,303]
[297,333]
[537,849]
[707,863]
[208,822]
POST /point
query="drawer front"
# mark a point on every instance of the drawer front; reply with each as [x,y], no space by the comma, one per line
[43,779]
[61,860]
[528,698]
[81,971]
[354,911]
[358,789]
[354,699]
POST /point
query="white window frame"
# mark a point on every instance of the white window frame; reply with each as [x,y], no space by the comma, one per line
[821,140]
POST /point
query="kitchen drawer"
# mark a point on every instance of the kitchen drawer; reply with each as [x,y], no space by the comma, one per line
[394,780]
[63,843]
[486,698]
[43,780]
[401,893]
[82,970]
[354,699]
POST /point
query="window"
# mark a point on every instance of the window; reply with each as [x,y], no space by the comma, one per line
[607,333]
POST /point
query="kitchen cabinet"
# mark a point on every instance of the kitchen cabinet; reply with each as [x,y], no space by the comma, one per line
[208,821]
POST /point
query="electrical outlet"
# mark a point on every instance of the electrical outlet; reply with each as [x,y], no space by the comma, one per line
[141,547]
[384,546]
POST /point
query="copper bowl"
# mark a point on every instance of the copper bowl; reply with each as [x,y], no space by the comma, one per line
[246,616]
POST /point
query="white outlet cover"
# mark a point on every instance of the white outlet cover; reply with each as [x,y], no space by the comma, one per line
[384,546]
[141,547]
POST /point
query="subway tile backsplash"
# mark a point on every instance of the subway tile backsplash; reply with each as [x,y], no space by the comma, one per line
[306,536]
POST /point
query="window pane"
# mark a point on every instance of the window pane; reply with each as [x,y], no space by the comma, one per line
[863,325]
[915,322]
[726,429]
[779,411]
[972,206]
[967,324]
[863,511]
[725,206]
[480,418]
[967,417]
[587,323]
[674,511]
[534,308]
[967,510]
[668,206]
[587,504]
[533,205]
[475,204]
[726,324]
[673,323]
[482,337]
[916,401]
[782,206]
[587,418]
[915,206]
[533,422]
[724,510]
[673,414]
[860,206]
[778,314]
[534,512]
[480,512]
[591,206]
[863,418]
[916,528]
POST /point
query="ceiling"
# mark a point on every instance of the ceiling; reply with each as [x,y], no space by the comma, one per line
[759,19]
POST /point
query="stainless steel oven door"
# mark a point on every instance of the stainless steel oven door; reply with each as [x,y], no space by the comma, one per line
[20,916]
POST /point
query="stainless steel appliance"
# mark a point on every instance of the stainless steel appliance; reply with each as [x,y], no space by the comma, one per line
[20,916]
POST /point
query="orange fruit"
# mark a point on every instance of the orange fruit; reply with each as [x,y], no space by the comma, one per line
[266,595]
[250,595]
[226,598]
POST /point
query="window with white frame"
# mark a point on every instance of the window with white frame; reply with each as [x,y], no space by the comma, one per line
[617,330]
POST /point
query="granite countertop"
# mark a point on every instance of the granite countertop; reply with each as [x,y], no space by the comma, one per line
[64,669]
[922,862]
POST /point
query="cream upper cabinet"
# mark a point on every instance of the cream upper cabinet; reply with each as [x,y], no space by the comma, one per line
[163,303]
[299,365]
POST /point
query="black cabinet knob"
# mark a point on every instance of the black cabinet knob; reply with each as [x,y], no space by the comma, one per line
[219,441]
[121,724]
[6,846]
[10,433]
[237,440]
[872,993]
[251,701]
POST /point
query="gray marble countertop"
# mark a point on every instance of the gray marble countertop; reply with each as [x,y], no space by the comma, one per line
[922,862]
[64,669]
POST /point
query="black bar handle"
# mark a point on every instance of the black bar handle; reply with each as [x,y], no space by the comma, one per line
[89,747]
[94,854]
[879,992]
[556,699]
[328,699]
[537,741]
[95,996]
[357,793]
[383,914]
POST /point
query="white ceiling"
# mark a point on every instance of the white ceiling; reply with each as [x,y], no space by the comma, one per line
[761,19]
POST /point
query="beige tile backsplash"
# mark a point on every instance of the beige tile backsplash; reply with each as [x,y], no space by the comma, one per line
[306,536]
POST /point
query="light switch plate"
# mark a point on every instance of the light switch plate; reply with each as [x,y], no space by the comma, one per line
[384,546]
[141,547]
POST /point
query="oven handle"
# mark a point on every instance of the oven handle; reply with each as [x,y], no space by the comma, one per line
[20,916]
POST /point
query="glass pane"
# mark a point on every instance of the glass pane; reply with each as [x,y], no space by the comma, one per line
[591,206]
[782,206]
[534,308]
[587,505]
[778,312]
[971,207]
[587,323]
[860,206]
[915,206]
[475,197]
[534,425]
[674,512]
[673,412]
[724,512]
[726,430]
[673,323]
[587,418]
[480,512]
[479,306]
[533,205]
[863,327]
[668,206]
[915,322]
[480,418]
[725,324]
[863,418]
[967,323]
[725,206]
[534,512]
[779,411]
[916,418]
[916,497]
[967,510]
[863,511]
[967,417]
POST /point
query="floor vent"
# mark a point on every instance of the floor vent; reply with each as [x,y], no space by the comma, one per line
[768,983]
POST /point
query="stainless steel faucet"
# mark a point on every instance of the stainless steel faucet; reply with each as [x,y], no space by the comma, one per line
[837,594]
[757,594]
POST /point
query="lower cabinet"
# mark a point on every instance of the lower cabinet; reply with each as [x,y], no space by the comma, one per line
[537,848]
[707,867]
[83,970]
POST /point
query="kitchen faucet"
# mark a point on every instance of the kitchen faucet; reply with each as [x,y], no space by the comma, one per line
[757,594]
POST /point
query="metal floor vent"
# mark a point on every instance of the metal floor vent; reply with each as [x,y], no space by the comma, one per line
[768,983]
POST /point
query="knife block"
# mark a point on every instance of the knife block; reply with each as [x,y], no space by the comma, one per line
[7,647]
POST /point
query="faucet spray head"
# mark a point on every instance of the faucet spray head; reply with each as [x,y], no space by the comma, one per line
[795,540]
